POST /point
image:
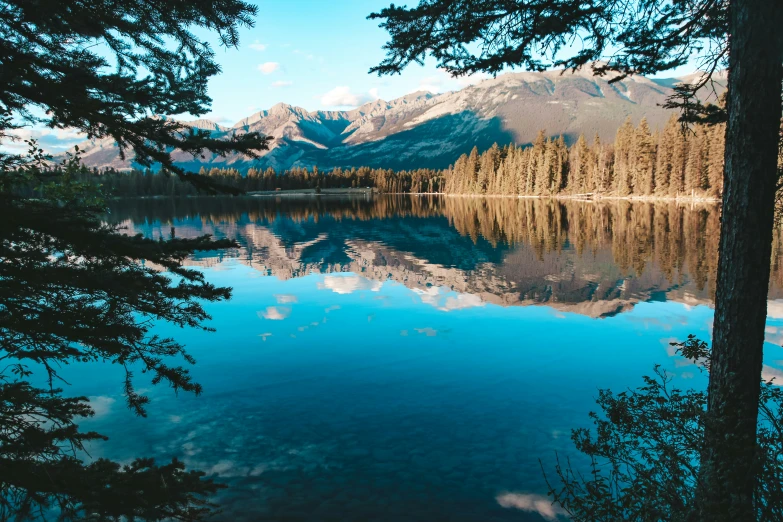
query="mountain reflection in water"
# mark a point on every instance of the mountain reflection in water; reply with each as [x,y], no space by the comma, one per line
[377,360]
[596,259]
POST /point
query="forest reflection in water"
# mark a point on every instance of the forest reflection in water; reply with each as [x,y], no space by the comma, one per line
[596,258]
[412,358]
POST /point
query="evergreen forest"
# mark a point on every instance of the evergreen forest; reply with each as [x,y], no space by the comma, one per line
[675,161]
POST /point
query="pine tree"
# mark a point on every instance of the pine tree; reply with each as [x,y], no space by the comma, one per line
[604,159]
[579,166]
[471,171]
[535,165]
[560,173]
[715,159]
[677,185]
[694,166]
[622,159]
[643,159]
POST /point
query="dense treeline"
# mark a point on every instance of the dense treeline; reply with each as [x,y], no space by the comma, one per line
[668,163]
[137,183]
[672,162]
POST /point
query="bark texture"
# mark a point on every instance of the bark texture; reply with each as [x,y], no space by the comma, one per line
[729,463]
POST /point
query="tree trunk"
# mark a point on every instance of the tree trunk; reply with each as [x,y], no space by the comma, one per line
[729,463]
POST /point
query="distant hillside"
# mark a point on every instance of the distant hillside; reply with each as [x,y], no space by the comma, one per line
[426,130]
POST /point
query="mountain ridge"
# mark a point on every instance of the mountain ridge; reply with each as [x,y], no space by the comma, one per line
[426,130]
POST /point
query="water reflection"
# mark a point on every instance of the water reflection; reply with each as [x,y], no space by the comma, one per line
[596,259]
[378,361]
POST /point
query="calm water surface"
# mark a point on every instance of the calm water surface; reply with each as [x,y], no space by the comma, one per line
[413,358]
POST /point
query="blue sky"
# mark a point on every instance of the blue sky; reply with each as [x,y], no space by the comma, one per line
[308,53]
[316,55]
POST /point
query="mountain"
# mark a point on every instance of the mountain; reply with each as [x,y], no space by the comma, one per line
[428,130]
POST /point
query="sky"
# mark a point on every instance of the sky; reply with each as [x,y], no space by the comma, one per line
[308,53]
[315,55]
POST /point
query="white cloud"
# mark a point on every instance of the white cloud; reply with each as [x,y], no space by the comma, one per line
[775,309]
[221,119]
[275,313]
[269,67]
[282,83]
[285,298]
[443,82]
[101,404]
[374,93]
[52,140]
[349,284]
[342,96]
[773,335]
[473,79]
[223,467]
[530,503]
[190,448]
[446,300]
[433,84]
[769,373]
[257,46]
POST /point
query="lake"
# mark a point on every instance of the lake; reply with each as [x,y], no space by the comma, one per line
[414,358]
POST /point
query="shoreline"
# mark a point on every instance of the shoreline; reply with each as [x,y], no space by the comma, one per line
[574,197]
[312,192]
[372,192]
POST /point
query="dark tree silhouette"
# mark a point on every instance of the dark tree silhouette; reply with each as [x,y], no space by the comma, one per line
[468,36]
[644,447]
[74,289]
[639,37]
[116,69]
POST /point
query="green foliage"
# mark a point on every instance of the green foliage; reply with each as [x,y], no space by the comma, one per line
[113,69]
[75,289]
[634,36]
[644,449]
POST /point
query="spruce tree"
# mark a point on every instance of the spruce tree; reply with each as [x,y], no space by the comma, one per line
[715,159]
[694,166]
[471,171]
[678,162]
[579,166]
[535,164]
[623,147]
[643,159]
